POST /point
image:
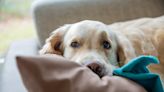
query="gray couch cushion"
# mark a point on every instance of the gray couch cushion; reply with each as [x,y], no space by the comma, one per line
[10,80]
[51,14]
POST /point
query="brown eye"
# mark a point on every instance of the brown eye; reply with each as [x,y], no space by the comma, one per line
[106,45]
[75,45]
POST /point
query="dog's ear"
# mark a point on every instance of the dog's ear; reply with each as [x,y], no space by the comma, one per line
[53,44]
[125,50]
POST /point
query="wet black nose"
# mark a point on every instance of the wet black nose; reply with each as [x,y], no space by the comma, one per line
[96,68]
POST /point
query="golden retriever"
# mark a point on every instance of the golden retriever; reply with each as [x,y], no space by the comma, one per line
[103,47]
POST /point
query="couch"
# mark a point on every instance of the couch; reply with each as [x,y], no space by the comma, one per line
[51,14]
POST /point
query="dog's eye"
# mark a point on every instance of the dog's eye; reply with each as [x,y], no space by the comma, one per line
[75,45]
[106,45]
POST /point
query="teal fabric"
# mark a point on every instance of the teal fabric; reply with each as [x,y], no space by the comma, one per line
[137,71]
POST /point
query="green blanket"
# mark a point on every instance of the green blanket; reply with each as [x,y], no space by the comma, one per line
[137,71]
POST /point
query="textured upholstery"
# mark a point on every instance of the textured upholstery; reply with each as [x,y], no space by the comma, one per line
[51,14]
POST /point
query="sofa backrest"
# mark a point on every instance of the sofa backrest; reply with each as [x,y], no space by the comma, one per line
[51,14]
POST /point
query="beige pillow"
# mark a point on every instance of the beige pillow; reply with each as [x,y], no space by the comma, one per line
[52,73]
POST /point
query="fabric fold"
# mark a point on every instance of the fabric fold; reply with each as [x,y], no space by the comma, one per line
[52,73]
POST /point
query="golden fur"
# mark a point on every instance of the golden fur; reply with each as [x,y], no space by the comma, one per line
[127,40]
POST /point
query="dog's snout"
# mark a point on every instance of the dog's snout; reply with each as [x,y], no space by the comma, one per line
[96,68]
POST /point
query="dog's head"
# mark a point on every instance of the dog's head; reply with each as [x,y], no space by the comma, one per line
[89,43]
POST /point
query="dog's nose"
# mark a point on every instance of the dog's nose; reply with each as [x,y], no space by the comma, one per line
[96,68]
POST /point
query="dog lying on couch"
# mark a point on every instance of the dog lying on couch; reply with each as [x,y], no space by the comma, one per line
[102,48]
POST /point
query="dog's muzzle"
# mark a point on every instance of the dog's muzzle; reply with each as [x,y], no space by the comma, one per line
[96,68]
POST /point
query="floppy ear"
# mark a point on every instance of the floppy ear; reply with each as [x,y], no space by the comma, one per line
[53,44]
[125,50]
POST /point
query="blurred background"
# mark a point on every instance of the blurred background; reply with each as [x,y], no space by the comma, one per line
[15,23]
